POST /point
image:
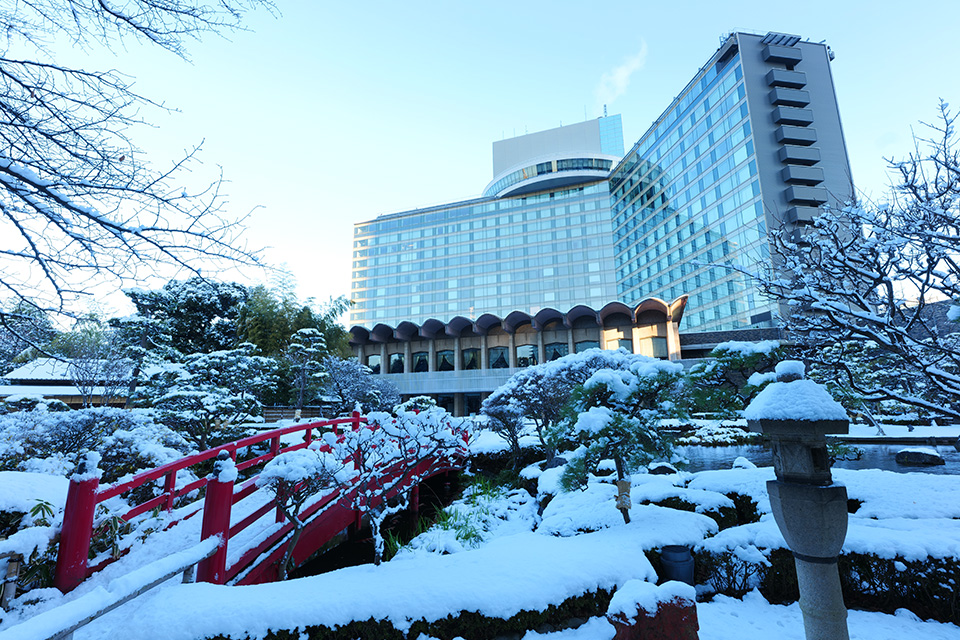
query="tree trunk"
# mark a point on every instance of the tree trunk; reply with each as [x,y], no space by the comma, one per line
[623,490]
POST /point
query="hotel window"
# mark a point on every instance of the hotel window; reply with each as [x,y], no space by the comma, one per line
[586,344]
[556,350]
[374,363]
[471,359]
[445,361]
[498,358]
[421,362]
[396,363]
[526,355]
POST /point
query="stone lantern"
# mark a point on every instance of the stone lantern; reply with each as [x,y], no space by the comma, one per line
[794,415]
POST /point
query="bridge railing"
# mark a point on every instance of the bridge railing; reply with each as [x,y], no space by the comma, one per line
[84,494]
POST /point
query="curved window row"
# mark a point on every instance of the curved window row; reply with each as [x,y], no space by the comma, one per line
[544,168]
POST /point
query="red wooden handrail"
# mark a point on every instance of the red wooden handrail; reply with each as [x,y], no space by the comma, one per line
[85,494]
[72,566]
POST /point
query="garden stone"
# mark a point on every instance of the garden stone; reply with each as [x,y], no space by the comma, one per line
[555,461]
[919,457]
[661,469]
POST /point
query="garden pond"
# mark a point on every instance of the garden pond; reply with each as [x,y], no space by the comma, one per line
[875,456]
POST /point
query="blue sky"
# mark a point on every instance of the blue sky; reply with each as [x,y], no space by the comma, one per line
[334,113]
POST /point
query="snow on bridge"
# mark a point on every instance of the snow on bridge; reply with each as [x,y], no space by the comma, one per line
[247,519]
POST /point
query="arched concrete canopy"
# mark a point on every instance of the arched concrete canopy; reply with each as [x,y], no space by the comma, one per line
[430,328]
[652,311]
[545,317]
[581,311]
[612,309]
[486,322]
[515,319]
[359,335]
[677,308]
[456,326]
[407,331]
[381,333]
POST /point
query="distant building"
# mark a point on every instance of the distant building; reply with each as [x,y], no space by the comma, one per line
[461,361]
[53,379]
[752,143]
[539,237]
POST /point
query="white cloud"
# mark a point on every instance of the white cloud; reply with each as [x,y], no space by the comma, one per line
[614,83]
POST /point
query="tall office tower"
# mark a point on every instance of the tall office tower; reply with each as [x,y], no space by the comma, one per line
[539,237]
[752,143]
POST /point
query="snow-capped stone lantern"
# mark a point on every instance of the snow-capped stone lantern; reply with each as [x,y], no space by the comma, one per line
[794,415]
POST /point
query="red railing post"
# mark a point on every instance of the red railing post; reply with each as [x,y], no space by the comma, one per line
[216,518]
[77,528]
[356,420]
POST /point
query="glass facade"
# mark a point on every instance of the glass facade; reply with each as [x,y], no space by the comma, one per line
[549,249]
[686,204]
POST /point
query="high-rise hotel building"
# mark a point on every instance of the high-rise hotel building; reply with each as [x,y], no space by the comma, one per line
[752,143]
[538,237]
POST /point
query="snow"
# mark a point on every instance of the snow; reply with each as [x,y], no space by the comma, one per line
[638,598]
[20,491]
[526,571]
[747,349]
[926,450]
[797,400]
[953,313]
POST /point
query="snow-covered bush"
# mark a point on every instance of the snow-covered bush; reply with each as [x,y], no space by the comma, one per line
[209,396]
[541,393]
[349,383]
[393,452]
[128,441]
[295,478]
[615,415]
[723,385]
[718,434]
[13,404]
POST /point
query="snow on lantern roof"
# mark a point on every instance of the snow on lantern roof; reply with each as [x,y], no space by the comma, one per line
[796,400]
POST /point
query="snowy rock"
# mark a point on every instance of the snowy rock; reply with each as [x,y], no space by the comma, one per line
[642,610]
[661,468]
[919,456]
[743,463]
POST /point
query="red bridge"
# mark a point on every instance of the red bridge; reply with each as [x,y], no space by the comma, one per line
[259,561]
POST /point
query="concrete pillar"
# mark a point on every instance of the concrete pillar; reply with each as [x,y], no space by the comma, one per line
[360,354]
[458,402]
[571,348]
[484,353]
[457,365]
[384,364]
[512,350]
[673,339]
[407,357]
[541,349]
[432,362]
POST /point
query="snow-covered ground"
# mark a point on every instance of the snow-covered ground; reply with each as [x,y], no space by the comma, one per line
[495,554]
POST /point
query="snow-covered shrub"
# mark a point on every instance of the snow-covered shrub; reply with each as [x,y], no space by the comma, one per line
[128,441]
[13,404]
[725,383]
[541,393]
[296,477]
[717,434]
[393,452]
[615,416]
[416,403]
[209,396]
